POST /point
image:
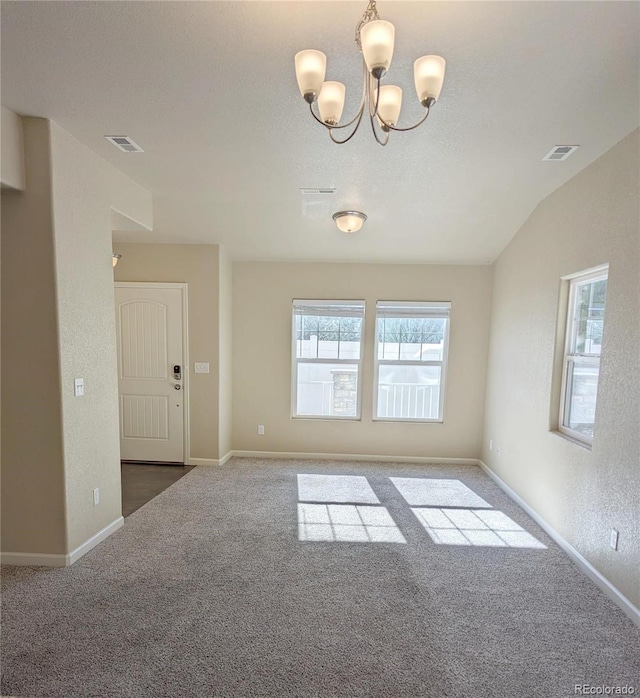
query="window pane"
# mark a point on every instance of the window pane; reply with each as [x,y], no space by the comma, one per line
[589,316]
[306,336]
[582,390]
[327,390]
[411,339]
[409,392]
[328,337]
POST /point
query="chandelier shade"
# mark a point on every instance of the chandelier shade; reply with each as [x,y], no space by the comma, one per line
[311,67]
[377,39]
[331,101]
[349,221]
[389,105]
[428,75]
[115,258]
[382,103]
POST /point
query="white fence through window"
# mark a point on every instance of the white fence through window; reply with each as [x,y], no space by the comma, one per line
[395,400]
[408,401]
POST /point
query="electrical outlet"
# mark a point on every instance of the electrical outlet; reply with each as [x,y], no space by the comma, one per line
[96,496]
[498,451]
[491,444]
[260,429]
[613,541]
[78,387]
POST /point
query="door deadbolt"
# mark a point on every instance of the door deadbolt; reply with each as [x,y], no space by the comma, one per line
[177,372]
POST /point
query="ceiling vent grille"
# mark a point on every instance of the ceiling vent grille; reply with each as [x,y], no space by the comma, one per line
[315,191]
[125,144]
[560,152]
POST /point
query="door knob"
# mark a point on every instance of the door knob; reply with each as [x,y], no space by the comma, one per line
[176,386]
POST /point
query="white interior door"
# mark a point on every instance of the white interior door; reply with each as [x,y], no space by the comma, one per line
[149,326]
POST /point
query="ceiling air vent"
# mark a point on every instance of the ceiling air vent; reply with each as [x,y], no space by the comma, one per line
[313,191]
[125,144]
[560,152]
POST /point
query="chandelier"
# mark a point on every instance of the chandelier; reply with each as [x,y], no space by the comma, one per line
[375,39]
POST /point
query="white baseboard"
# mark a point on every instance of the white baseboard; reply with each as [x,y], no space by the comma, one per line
[210,461]
[225,458]
[354,457]
[583,564]
[45,560]
[34,559]
[94,540]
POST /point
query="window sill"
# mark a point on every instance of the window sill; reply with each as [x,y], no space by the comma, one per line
[571,439]
[403,420]
[328,418]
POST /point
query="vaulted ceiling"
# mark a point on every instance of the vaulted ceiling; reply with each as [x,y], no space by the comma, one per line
[208,90]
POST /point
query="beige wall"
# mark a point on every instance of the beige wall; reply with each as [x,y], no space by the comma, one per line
[262,295]
[86,334]
[33,496]
[226,355]
[583,494]
[59,324]
[12,150]
[198,266]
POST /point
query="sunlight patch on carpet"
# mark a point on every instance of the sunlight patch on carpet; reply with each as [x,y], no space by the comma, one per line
[480,528]
[347,523]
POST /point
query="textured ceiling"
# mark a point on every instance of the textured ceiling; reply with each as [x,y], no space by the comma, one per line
[208,90]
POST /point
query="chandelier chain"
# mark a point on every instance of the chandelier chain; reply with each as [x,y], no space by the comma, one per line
[369,15]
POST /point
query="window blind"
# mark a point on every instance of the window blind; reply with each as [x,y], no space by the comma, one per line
[397,309]
[354,309]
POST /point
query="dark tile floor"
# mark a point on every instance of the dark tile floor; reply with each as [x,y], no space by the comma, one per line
[141,482]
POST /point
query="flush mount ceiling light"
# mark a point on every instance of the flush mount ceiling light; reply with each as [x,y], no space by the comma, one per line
[115,258]
[375,39]
[349,221]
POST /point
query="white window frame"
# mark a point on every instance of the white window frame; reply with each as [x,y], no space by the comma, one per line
[435,309]
[297,360]
[569,357]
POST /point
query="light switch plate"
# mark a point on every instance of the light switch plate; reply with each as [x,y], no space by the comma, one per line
[613,541]
[201,367]
[78,387]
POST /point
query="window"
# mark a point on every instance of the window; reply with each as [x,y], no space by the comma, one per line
[411,360]
[581,361]
[327,357]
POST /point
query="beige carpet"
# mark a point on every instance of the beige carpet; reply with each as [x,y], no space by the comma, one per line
[207,591]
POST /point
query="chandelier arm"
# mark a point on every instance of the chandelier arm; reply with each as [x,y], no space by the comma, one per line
[358,115]
[375,107]
[317,118]
[352,134]
[375,133]
[373,114]
[408,128]
[329,127]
